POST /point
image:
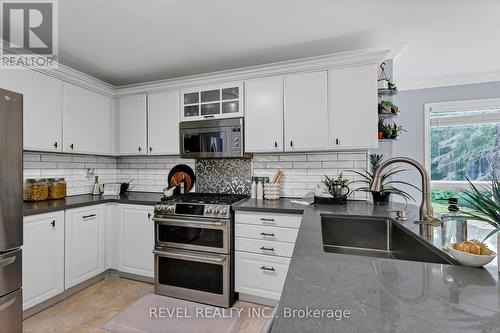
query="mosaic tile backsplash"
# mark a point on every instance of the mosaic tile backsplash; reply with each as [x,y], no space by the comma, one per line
[223,176]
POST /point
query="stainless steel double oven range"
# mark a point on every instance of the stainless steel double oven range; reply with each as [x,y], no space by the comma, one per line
[194,247]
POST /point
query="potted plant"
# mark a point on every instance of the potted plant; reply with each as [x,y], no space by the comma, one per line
[396,130]
[387,106]
[388,185]
[387,131]
[338,188]
[381,127]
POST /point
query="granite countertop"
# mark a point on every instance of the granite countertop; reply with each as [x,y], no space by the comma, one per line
[380,295]
[134,198]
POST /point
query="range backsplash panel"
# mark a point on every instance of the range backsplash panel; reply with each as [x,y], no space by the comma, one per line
[223,176]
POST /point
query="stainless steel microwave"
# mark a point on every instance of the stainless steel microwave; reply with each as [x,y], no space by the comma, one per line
[215,138]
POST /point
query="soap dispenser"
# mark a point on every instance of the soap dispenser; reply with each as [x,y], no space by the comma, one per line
[96,190]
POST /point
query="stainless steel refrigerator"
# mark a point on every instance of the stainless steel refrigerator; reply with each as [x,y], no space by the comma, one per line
[11,210]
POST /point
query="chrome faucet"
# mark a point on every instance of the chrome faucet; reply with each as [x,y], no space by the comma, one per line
[426,212]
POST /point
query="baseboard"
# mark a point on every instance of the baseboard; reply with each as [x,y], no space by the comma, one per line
[257,299]
[79,287]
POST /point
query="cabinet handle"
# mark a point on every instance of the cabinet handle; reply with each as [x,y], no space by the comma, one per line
[88,216]
[209,116]
[140,149]
[149,216]
[275,144]
[337,141]
[267,249]
[267,220]
[150,149]
[266,234]
[53,223]
[72,146]
[55,144]
[291,144]
[264,268]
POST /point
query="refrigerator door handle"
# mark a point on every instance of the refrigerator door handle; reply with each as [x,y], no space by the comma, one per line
[7,304]
[7,261]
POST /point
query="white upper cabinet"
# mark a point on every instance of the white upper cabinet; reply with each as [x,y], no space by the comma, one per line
[87,121]
[42,99]
[353,107]
[84,249]
[264,114]
[306,111]
[208,102]
[163,123]
[132,124]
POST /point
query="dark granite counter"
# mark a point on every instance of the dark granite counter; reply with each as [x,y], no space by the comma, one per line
[134,198]
[367,294]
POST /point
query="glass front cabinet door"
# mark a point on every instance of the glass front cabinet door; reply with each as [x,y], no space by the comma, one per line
[211,102]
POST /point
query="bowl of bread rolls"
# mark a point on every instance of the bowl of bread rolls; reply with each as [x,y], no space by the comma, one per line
[471,253]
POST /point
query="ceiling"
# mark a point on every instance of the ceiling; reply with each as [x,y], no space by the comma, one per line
[129,41]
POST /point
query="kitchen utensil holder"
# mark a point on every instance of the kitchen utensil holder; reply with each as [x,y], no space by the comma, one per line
[271,191]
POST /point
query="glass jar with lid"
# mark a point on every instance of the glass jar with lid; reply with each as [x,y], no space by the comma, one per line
[36,189]
[57,188]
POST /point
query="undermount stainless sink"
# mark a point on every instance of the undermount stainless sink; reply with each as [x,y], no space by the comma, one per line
[376,237]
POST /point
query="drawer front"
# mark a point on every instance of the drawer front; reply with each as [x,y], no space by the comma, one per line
[268,248]
[260,275]
[278,234]
[269,219]
[10,271]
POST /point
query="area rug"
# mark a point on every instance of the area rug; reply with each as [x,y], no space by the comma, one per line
[160,314]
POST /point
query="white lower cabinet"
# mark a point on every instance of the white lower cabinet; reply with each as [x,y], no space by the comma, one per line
[264,244]
[43,257]
[84,244]
[260,275]
[136,240]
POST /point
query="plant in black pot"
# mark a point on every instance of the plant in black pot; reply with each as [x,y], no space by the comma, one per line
[387,106]
[387,131]
[396,130]
[388,185]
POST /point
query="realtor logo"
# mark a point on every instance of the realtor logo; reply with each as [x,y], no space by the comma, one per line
[29,33]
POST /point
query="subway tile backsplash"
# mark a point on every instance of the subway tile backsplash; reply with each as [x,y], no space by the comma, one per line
[302,171]
[73,168]
[150,174]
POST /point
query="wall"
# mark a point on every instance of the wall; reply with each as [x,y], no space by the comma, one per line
[71,167]
[411,103]
[150,174]
[302,172]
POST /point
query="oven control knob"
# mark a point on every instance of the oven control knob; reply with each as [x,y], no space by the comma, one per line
[223,211]
[209,210]
[216,210]
[170,209]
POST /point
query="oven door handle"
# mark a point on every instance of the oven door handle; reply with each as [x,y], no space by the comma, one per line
[185,222]
[216,260]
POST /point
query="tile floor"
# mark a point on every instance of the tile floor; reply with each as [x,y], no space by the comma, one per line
[88,310]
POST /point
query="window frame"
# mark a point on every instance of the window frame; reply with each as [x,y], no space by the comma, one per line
[449,107]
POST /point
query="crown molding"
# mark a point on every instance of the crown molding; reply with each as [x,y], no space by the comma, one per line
[344,59]
[323,62]
[70,75]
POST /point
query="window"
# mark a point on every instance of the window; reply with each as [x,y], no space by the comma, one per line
[462,141]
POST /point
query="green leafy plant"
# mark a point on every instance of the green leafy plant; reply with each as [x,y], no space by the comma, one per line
[387,185]
[387,106]
[396,130]
[484,203]
[340,180]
